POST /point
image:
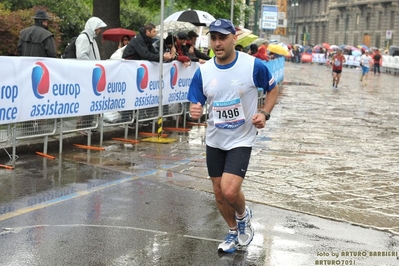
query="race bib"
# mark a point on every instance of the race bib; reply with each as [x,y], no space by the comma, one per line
[228,115]
[337,62]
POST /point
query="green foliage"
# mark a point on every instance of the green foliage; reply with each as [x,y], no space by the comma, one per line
[68,15]
[218,8]
[11,23]
[134,18]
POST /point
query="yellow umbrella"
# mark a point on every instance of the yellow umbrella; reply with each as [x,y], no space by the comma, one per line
[277,49]
[246,40]
[244,36]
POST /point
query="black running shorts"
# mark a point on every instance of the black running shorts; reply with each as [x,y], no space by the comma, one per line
[234,161]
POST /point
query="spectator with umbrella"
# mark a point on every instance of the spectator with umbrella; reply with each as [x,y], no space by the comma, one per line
[124,41]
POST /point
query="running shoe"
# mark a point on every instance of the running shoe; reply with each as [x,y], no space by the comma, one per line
[245,229]
[230,243]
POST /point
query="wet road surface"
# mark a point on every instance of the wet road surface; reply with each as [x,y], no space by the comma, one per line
[328,153]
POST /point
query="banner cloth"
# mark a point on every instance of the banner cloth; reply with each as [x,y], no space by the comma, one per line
[43,88]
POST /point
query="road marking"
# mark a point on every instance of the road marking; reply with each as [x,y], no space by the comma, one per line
[20,228]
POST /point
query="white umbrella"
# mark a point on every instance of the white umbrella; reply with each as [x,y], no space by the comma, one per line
[175,26]
[196,17]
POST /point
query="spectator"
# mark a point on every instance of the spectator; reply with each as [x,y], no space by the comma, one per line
[121,47]
[377,59]
[263,49]
[87,49]
[86,44]
[141,48]
[37,40]
[253,50]
[239,47]
[191,43]
[184,49]
[169,46]
[124,41]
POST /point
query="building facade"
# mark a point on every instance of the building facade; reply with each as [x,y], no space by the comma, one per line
[374,23]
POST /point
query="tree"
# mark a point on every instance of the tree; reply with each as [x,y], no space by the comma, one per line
[218,8]
[71,16]
[12,22]
[108,11]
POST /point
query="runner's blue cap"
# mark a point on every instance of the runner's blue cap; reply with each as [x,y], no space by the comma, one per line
[223,26]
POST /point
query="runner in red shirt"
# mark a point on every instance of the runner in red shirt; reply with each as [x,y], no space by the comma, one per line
[337,61]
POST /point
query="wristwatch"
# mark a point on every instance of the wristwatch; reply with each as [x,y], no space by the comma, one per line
[267,115]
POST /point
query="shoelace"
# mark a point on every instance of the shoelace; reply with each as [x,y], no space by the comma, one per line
[230,238]
[241,225]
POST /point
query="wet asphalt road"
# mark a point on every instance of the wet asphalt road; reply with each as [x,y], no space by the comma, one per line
[151,204]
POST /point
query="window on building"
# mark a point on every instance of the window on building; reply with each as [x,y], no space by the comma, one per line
[323,34]
[325,6]
[347,21]
[355,38]
[357,21]
[319,7]
[337,24]
[336,39]
[316,37]
[379,24]
[392,20]
[368,18]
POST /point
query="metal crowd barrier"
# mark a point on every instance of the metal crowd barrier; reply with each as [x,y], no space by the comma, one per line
[11,134]
[390,64]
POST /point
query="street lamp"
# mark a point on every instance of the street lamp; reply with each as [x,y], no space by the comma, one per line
[294,8]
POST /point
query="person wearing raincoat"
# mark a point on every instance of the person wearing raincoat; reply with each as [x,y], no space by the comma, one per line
[87,49]
[86,44]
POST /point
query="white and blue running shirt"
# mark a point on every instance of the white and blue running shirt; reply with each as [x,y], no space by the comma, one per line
[232,94]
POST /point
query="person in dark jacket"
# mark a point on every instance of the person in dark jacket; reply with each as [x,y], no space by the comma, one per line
[192,35]
[37,40]
[141,48]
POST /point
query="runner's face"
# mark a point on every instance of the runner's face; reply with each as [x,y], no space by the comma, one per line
[223,47]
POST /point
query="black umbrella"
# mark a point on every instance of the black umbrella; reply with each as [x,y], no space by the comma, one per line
[196,17]
[394,50]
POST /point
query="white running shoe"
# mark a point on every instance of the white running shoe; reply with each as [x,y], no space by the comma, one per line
[230,243]
[245,230]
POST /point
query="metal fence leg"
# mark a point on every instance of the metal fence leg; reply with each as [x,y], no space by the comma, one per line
[101,130]
[45,144]
[14,144]
[61,130]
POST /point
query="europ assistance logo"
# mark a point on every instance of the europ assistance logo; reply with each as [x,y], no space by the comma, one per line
[99,80]
[40,80]
[173,76]
[142,77]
